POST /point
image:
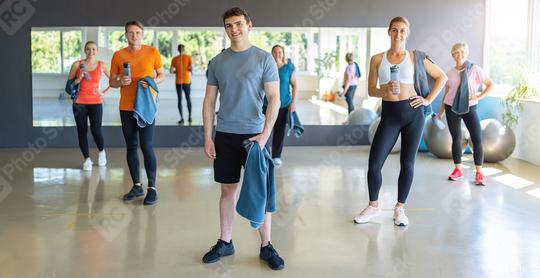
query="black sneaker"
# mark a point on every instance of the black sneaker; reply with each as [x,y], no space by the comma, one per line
[151,197]
[271,257]
[181,122]
[189,120]
[221,249]
[135,192]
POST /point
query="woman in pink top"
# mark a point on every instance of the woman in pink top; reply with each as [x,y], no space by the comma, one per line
[460,102]
[89,104]
[350,81]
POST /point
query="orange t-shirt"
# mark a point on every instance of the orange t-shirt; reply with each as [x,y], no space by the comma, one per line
[143,62]
[182,63]
[87,90]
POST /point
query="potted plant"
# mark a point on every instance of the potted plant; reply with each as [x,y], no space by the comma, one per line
[513,102]
[324,69]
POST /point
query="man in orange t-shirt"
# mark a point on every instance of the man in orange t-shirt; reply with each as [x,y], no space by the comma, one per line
[129,65]
[182,66]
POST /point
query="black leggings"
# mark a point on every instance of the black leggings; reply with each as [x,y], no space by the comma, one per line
[472,122]
[396,117]
[278,136]
[349,97]
[82,113]
[146,137]
[187,91]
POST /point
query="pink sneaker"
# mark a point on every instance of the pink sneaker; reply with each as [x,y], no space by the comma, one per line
[456,175]
[479,179]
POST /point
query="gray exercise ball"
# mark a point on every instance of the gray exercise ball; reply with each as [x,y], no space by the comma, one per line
[361,116]
[439,141]
[371,134]
[498,140]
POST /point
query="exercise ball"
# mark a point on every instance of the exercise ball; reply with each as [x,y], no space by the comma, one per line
[498,140]
[371,134]
[361,116]
[439,141]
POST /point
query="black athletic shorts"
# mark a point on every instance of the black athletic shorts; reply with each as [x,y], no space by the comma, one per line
[230,156]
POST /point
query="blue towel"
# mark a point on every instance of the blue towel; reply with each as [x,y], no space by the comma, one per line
[422,81]
[258,193]
[145,108]
[293,121]
[71,89]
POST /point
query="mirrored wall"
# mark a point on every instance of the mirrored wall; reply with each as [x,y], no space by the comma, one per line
[317,53]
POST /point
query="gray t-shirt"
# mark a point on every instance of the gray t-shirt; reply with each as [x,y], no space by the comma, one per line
[240,78]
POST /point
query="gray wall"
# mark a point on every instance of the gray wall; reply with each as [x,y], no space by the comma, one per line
[436,25]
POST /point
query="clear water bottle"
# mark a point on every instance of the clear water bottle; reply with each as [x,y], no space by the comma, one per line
[394,76]
[85,73]
[437,122]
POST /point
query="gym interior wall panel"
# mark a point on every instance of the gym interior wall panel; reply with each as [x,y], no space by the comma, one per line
[436,25]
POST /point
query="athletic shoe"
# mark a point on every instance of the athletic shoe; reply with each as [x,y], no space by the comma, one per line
[151,196]
[87,165]
[456,175]
[271,257]
[479,179]
[135,192]
[277,161]
[221,249]
[181,122]
[400,219]
[189,120]
[366,215]
[102,158]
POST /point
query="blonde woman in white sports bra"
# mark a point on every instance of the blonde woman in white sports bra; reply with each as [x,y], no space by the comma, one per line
[402,113]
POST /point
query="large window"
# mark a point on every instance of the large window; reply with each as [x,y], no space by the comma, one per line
[54,51]
[513,45]
[202,46]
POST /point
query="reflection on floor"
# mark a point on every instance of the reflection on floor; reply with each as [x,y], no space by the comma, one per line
[54,112]
[58,221]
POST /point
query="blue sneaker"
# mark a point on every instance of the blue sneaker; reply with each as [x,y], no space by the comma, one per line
[135,192]
[271,257]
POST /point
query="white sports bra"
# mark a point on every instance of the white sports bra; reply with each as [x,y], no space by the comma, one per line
[406,70]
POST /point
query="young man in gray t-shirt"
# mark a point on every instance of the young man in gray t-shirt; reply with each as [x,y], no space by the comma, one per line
[244,75]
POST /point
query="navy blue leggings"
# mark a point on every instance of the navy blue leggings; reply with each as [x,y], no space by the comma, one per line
[187,91]
[82,113]
[472,122]
[146,137]
[396,117]
[349,97]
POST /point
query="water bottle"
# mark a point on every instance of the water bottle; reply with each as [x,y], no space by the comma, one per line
[85,73]
[437,122]
[127,70]
[394,76]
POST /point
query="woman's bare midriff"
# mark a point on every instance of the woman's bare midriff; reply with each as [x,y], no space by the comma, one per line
[406,91]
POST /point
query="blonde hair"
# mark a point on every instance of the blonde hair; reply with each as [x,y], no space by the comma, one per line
[401,19]
[458,45]
[349,57]
[282,49]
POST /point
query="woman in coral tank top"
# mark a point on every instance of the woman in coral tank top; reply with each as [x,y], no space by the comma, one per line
[89,104]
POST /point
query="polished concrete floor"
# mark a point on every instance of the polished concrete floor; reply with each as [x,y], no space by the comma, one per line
[58,221]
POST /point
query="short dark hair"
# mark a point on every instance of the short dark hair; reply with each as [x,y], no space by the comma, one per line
[134,22]
[236,11]
[180,47]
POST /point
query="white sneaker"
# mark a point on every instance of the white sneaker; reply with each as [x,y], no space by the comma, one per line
[87,165]
[102,158]
[400,219]
[277,161]
[367,214]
